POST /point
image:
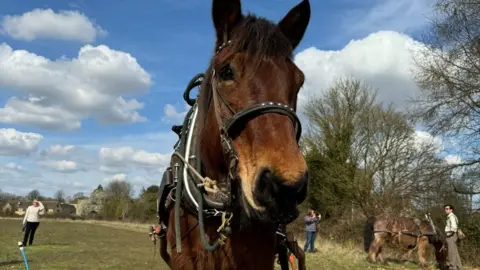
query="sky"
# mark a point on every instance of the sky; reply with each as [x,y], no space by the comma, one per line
[90,89]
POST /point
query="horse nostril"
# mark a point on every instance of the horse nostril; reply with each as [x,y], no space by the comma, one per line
[298,190]
[266,182]
[270,184]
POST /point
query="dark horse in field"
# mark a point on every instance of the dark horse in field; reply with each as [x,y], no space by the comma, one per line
[404,233]
[237,174]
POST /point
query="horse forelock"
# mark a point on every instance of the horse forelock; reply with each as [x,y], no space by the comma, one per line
[256,37]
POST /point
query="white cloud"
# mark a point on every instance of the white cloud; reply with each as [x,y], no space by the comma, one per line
[13,142]
[61,93]
[144,181]
[115,177]
[172,115]
[30,112]
[46,23]
[382,60]
[14,167]
[453,159]
[60,150]
[128,157]
[424,139]
[402,16]
[108,170]
[62,166]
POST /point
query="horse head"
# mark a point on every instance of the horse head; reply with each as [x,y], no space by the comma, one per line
[250,132]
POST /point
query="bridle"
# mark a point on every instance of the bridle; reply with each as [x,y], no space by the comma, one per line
[227,124]
[222,202]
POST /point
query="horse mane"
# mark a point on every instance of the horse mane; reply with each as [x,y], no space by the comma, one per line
[259,37]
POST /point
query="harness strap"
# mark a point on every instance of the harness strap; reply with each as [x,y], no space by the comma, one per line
[224,229]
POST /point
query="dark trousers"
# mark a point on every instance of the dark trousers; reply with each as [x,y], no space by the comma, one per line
[30,229]
[310,241]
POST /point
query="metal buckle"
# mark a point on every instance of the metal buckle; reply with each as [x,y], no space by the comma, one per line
[214,212]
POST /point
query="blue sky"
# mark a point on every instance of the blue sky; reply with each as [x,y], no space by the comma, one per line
[170,41]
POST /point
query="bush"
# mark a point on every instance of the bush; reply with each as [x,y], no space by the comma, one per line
[470,247]
[349,233]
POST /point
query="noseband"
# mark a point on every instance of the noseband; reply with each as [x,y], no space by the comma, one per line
[221,201]
[227,124]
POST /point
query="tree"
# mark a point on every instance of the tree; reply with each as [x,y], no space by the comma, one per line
[149,198]
[8,196]
[34,195]
[94,205]
[59,196]
[361,153]
[79,196]
[99,188]
[448,73]
[118,199]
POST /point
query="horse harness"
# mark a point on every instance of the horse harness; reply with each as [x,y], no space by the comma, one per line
[183,183]
[415,233]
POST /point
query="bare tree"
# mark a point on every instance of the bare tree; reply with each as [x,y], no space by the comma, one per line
[449,77]
[363,152]
[8,196]
[34,195]
[59,196]
[79,195]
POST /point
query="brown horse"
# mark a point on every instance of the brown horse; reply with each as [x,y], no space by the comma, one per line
[404,233]
[237,174]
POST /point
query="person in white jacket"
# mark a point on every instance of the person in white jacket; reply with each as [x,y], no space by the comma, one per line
[31,221]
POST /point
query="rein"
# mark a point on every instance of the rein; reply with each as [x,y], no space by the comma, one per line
[183,182]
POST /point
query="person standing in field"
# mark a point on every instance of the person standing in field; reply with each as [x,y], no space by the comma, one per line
[311,221]
[31,221]
[451,229]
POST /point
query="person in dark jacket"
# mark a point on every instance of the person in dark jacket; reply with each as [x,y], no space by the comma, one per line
[311,221]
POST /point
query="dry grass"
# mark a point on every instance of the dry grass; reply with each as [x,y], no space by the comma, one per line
[332,255]
[133,226]
[65,244]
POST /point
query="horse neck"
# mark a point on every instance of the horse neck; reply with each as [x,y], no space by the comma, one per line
[252,247]
[257,242]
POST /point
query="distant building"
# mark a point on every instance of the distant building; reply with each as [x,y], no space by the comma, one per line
[51,207]
[67,208]
[80,206]
[6,207]
[21,207]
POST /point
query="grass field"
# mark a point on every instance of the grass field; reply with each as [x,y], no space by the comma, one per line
[104,245]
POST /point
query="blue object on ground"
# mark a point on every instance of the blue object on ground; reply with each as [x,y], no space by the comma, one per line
[23,255]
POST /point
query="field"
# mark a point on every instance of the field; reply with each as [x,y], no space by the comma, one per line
[107,245]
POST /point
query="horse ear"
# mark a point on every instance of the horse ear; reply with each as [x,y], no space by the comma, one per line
[226,14]
[294,24]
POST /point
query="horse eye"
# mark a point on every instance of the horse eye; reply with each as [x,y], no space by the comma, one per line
[226,74]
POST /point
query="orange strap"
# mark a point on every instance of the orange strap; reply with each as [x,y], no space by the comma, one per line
[291,259]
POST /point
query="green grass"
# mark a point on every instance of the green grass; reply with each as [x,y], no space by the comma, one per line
[78,245]
[114,245]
